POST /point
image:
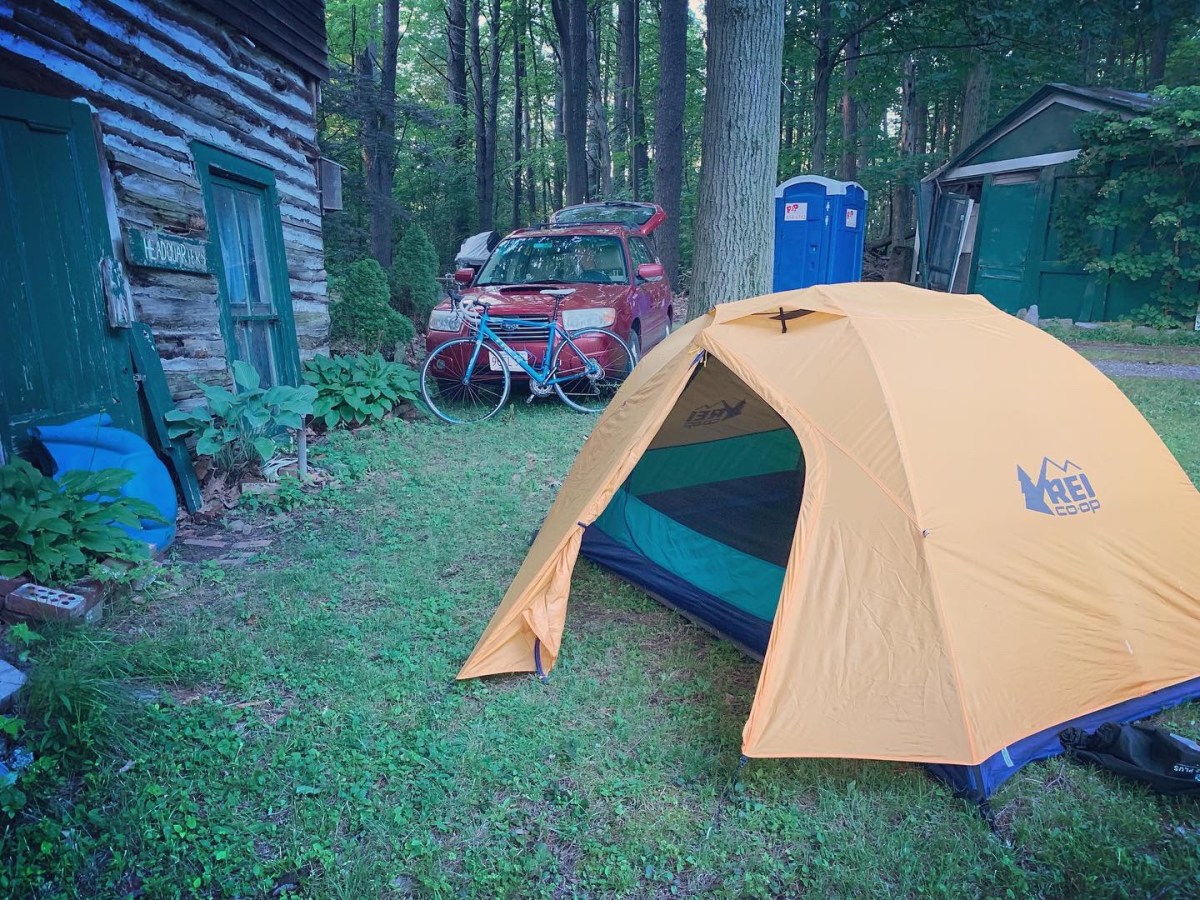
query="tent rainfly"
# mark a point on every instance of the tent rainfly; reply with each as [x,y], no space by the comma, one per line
[947,535]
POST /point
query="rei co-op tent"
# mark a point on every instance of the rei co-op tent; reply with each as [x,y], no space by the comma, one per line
[947,535]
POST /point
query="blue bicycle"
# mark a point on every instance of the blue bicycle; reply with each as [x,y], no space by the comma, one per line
[468,379]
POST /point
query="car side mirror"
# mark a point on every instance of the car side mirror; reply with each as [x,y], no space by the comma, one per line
[464,276]
[650,272]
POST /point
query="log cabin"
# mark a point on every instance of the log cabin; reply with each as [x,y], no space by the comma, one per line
[159,175]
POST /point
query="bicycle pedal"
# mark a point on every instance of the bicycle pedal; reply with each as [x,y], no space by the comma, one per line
[531,398]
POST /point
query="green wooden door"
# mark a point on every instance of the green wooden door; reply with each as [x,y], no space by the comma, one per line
[60,359]
[1006,219]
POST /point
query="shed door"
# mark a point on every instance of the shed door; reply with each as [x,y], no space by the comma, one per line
[1005,225]
[59,359]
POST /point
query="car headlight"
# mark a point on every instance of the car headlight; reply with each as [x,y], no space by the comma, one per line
[444,320]
[575,319]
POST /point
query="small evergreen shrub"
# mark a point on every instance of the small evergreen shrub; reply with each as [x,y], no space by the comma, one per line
[414,285]
[362,319]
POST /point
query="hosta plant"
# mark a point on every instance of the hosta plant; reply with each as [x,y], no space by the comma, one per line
[242,431]
[54,531]
[358,389]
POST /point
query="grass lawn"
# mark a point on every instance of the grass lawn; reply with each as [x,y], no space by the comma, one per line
[297,724]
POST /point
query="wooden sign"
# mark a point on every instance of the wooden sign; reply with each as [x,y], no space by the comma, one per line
[158,250]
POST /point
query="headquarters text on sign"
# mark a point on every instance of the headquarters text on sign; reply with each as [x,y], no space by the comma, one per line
[157,250]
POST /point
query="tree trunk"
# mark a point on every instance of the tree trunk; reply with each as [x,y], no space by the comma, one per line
[849,166]
[740,147]
[520,126]
[822,72]
[379,144]
[641,151]
[598,115]
[558,183]
[627,53]
[1157,70]
[489,162]
[570,21]
[483,208]
[668,129]
[485,111]
[456,63]
[456,78]
[976,96]
[902,191]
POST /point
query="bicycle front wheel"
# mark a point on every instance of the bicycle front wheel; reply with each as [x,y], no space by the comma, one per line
[460,391]
[591,368]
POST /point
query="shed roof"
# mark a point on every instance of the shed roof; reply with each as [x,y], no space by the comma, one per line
[1085,99]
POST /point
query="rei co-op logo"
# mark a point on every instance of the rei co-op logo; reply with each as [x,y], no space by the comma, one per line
[1060,490]
[712,413]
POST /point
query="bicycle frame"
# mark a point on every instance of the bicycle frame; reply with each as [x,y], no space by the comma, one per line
[541,375]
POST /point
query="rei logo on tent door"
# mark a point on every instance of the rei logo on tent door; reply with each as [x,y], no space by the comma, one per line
[713,413]
[1060,490]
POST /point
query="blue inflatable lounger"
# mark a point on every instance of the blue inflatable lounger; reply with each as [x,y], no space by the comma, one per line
[92,444]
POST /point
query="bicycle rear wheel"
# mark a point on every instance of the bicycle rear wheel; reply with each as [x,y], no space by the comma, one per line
[592,367]
[460,392]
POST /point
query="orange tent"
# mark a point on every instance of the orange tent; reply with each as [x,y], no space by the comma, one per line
[946,533]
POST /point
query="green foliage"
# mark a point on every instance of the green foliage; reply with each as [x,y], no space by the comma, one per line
[413,279]
[362,318]
[358,389]
[243,431]
[1148,168]
[1125,334]
[53,530]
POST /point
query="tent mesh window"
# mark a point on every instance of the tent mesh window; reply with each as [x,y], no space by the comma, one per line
[706,520]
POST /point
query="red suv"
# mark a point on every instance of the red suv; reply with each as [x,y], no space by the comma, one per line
[599,249]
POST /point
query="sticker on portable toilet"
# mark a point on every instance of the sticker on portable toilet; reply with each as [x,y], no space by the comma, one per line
[795,212]
[852,218]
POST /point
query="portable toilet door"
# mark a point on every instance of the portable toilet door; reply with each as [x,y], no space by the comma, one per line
[819,227]
[848,212]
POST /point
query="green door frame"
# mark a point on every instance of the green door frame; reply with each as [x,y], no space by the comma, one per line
[215,166]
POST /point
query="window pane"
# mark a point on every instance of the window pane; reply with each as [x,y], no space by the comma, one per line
[568,258]
[243,249]
[255,346]
[640,252]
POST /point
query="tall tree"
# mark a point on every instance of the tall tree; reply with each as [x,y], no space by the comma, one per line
[740,151]
[977,92]
[379,133]
[486,108]
[668,128]
[902,193]
[627,55]
[570,21]
[597,113]
[520,126]
[822,73]
[456,56]
[849,166]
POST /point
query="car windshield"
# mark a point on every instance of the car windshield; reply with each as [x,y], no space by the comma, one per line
[556,259]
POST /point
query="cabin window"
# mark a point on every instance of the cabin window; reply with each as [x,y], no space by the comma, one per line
[246,240]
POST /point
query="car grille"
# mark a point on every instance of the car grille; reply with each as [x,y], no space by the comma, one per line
[514,332]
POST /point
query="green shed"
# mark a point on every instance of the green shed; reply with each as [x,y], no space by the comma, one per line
[988,216]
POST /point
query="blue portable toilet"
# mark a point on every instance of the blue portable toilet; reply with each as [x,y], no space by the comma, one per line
[820,225]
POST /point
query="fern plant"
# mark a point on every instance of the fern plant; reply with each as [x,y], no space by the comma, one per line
[244,430]
[53,531]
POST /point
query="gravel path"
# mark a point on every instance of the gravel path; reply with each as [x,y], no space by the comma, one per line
[1124,369]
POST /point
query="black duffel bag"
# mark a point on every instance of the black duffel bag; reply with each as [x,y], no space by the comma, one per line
[1166,762]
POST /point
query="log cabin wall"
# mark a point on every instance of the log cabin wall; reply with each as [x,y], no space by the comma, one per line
[160,74]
